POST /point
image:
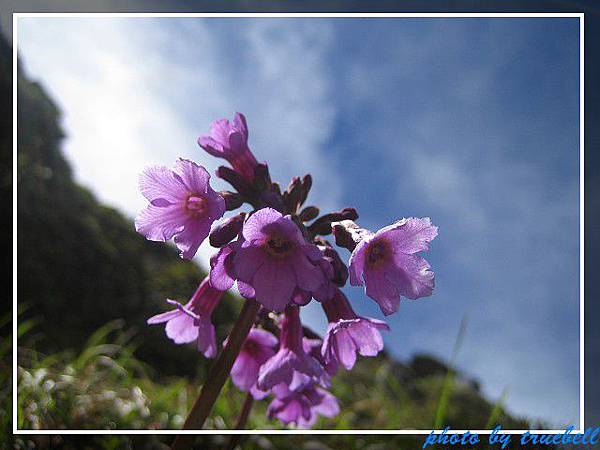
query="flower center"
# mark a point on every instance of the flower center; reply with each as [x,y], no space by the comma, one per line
[279,246]
[196,206]
[377,253]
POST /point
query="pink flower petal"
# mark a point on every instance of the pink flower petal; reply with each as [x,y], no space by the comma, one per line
[409,235]
[158,183]
[160,224]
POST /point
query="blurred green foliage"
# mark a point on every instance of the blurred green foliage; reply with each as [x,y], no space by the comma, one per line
[104,386]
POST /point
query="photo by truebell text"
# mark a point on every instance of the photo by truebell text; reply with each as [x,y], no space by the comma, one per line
[589,438]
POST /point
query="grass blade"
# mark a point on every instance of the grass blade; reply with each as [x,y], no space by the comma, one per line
[448,385]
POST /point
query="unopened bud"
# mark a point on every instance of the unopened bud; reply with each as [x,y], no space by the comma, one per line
[343,238]
[227,231]
[233,200]
[340,271]
[309,213]
[273,200]
[322,225]
[236,180]
[306,185]
[262,179]
[292,195]
[348,234]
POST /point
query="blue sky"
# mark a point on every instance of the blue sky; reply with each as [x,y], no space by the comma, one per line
[472,122]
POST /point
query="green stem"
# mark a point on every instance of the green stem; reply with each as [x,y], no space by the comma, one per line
[217,376]
[236,439]
[241,423]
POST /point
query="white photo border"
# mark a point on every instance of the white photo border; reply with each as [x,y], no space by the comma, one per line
[581,17]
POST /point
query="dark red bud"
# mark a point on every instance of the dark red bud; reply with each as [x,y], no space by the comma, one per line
[262,179]
[236,180]
[306,185]
[309,213]
[291,196]
[343,238]
[233,200]
[322,225]
[227,231]
[340,271]
[272,200]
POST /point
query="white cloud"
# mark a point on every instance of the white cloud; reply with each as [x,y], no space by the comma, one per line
[136,92]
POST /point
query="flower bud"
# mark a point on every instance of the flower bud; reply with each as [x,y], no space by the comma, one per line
[262,179]
[306,185]
[233,200]
[236,180]
[340,271]
[292,195]
[227,231]
[273,200]
[309,213]
[343,238]
[322,226]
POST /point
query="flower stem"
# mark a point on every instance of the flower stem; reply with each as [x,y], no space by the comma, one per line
[236,439]
[218,374]
[241,423]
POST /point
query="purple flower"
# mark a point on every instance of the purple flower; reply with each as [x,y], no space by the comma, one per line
[256,350]
[386,262]
[182,204]
[230,141]
[313,348]
[302,406]
[348,333]
[192,321]
[290,365]
[275,260]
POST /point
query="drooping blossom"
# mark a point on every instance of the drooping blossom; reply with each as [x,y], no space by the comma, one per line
[291,365]
[192,321]
[313,348]
[258,347]
[349,334]
[227,231]
[182,205]
[275,259]
[387,264]
[302,406]
[230,141]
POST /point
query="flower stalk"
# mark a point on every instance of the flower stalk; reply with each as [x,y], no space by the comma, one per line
[243,418]
[237,439]
[218,374]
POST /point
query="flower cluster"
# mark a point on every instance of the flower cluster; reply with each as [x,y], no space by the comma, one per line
[278,256]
